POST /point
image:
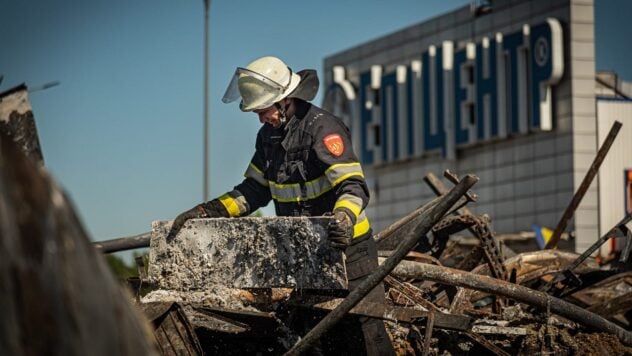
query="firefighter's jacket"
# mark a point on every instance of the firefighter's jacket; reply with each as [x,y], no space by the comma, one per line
[307,167]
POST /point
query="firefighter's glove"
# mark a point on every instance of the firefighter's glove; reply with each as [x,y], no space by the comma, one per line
[211,209]
[340,230]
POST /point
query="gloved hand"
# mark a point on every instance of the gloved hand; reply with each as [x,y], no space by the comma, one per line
[340,230]
[211,209]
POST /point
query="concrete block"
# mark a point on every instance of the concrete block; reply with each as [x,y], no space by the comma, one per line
[524,188]
[546,201]
[585,87]
[246,253]
[544,184]
[548,218]
[583,68]
[563,106]
[504,174]
[564,162]
[584,124]
[486,177]
[524,170]
[401,210]
[503,156]
[466,164]
[582,13]
[563,198]
[524,206]
[586,218]
[524,222]
[485,159]
[523,152]
[506,225]
[504,191]
[583,161]
[544,146]
[582,31]
[564,123]
[545,166]
[586,144]
[582,50]
[400,192]
[416,190]
[584,238]
[564,143]
[505,209]
[486,192]
[585,106]
[417,172]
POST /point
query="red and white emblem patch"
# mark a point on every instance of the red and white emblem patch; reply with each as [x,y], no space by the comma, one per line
[334,144]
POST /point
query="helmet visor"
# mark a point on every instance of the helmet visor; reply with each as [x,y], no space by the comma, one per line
[244,79]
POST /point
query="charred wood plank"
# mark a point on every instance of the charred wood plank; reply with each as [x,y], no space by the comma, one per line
[439,208]
[487,344]
[585,184]
[614,306]
[174,333]
[514,291]
[123,243]
[18,123]
[395,314]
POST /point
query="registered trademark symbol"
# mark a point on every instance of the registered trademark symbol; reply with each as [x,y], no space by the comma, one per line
[541,51]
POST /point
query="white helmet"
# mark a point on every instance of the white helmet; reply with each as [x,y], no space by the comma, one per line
[262,83]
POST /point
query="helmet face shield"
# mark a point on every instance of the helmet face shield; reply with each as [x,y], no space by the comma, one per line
[262,83]
[232,91]
[255,90]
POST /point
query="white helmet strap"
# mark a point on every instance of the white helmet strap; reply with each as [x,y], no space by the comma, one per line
[282,111]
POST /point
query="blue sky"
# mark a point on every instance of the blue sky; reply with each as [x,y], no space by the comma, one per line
[123,132]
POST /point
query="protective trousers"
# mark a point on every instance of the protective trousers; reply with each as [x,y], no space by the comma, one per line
[361,260]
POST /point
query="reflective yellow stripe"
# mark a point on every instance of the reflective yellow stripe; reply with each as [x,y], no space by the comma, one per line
[230,204]
[255,168]
[347,176]
[343,203]
[333,176]
[255,173]
[361,227]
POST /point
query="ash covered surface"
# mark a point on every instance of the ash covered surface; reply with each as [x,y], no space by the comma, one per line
[246,253]
[218,296]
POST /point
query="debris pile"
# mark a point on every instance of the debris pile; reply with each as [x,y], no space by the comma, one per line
[440,300]
[274,286]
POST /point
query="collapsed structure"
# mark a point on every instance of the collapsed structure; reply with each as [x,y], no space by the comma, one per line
[273,285]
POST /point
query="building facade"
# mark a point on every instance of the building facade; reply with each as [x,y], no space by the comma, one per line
[504,89]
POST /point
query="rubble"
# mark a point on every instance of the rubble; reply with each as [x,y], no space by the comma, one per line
[490,304]
[275,286]
[246,253]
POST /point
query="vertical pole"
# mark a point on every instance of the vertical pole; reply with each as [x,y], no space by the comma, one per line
[583,187]
[206,155]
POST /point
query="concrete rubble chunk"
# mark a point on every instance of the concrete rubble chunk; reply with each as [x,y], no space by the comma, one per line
[246,253]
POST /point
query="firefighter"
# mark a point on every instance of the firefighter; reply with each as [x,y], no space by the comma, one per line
[305,164]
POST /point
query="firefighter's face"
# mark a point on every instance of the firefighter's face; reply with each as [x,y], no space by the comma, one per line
[269,115]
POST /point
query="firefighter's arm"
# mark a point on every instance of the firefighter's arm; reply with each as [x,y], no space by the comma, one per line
[251,194]
[210,209]
[332,144]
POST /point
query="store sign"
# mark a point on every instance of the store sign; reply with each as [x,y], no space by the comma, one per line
[449,98]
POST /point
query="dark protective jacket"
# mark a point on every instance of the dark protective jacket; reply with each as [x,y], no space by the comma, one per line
[307,167]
